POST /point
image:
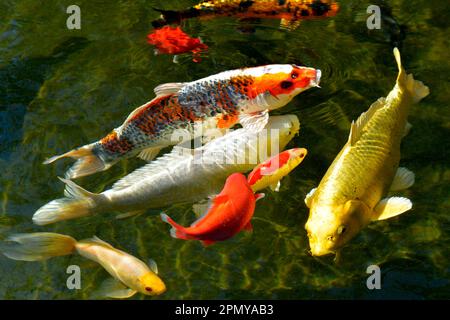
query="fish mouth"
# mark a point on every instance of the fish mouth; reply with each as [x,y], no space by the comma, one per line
[316,81]
[318,250]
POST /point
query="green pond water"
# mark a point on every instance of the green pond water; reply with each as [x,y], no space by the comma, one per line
[63,88]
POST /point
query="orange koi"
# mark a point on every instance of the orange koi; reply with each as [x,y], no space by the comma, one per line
[172,40]
[230,212]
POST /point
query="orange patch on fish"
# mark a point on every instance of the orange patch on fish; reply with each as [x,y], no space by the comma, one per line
[115,144]
[225,121]
[159,112]
[281,82]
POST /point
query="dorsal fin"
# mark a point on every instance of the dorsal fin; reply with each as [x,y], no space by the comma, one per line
[156,166]
[99,241]
[358,126]
[168,88]
[137,110]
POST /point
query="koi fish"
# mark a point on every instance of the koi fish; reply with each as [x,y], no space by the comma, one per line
[351,194]
[230,212]
[291,12]
[271,171]
[168,40]
[217,102]
[129,274]
[181,176]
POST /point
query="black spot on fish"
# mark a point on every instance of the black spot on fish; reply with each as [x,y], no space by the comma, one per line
[304,13]
[286,84]
[244,5]
[281,2]
[319,8]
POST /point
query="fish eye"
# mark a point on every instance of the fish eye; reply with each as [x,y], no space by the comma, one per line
[341,229]
[148,289]
[294,75]
[286,84]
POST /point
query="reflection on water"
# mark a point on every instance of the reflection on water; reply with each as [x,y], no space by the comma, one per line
[57,94]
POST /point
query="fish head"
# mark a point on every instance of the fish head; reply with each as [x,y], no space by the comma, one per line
[282,129]
[296,156]
[330,227]
[150,284]
[276,85]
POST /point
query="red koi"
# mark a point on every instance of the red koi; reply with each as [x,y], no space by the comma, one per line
[173,40]
[229,213]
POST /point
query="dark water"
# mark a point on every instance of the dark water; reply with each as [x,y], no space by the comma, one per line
[63,88]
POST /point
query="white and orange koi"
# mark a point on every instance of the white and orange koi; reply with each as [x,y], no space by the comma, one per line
[217,102]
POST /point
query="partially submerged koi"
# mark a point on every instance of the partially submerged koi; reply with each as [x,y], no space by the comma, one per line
[173,40]
[290,12]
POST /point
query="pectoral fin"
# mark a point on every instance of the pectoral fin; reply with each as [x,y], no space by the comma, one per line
[248,227]
[309,197]
[254,121]
[201,207]
[226,120]
[153,266]
[391,207]
[149,154]
[407,129]
[276,186]
[111,288]
[207,243]
[403,179]
[259,196]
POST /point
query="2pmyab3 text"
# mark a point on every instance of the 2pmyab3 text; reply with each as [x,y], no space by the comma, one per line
[249,309]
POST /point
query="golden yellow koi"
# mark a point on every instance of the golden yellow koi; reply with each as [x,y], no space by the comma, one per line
[351,193]
[130,274]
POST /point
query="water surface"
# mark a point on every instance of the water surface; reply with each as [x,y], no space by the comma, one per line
[63,88]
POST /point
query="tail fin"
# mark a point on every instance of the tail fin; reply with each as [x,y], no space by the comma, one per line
[177,231]
[37,246]
[78,203]
[416,88]
[87,163]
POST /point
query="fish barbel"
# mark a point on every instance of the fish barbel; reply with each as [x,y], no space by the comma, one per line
[291,12]
[130,275]
[350,195]
[195,109]
[177,177]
